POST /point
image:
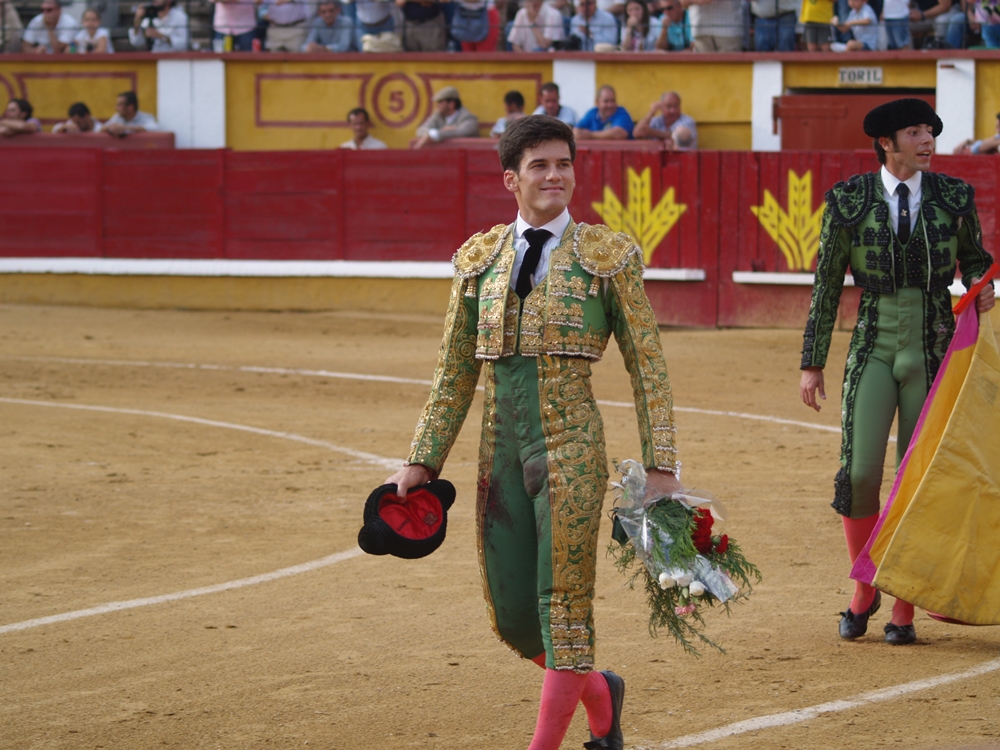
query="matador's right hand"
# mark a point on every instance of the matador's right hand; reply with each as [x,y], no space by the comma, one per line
[811,381]
[410,476]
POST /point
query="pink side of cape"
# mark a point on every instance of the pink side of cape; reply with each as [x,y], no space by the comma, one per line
[966,334]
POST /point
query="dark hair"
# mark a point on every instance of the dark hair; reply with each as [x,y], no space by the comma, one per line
[25,106]
[514,97]
[645,15]
[79,110]
[529,132]
[550,86]
[879,151]
[130,98]
[356,110]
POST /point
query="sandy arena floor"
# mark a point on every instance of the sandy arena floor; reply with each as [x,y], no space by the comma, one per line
[145,454]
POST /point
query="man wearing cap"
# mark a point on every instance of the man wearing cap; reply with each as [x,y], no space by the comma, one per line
[532,306]
[450,120]
[901,231]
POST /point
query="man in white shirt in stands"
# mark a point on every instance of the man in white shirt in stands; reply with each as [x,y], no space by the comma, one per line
[360,123]
[128,119]
[80,121]
[159,27]
[51,31]
[548,104]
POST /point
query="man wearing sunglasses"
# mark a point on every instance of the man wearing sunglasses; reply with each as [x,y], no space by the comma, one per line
[51,31]
[675,31]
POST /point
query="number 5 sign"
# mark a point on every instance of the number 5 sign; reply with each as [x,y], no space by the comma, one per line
[396,100]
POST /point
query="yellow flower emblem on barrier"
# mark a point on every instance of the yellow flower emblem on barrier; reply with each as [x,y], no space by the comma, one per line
[797,231]
[639,219]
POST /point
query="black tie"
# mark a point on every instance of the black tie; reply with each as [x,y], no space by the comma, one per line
[903,193]
[536,238]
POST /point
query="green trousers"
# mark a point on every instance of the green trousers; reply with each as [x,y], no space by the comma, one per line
[890,368]
[543,475]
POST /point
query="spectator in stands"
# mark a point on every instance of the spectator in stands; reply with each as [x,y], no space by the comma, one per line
[51,31]
[639,34]
[816,16]
[128,119]
[160,27]
[236,19]
[92,37]
[984,17]
[548,104]
[80,121]
[607,121]
[667,123]
[329,31]
[513,104]
[288,24]
[17,119]
[983,147]
[476,24]
[11,28]
[716,25]
[372,18]
[424,28]
[536,27]
[942,18]
[673,28]
[862,25]
[450,120]
[360,125]
[596,29]
[774,25]
[896,20]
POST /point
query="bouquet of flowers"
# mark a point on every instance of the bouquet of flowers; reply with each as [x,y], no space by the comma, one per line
[684,567]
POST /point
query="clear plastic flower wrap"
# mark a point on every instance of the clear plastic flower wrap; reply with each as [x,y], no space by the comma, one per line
[684,567]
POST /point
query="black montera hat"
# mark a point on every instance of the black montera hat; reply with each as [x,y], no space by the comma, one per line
[887,118]
[409,528]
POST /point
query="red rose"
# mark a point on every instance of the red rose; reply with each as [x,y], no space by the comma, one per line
[723,544]
[702,534]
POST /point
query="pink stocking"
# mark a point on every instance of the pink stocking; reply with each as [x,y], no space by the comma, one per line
[902,613]
[560,693]
[596,699]
[857,531]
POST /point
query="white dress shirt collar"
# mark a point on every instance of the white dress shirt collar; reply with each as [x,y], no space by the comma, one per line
[557,227]
[890,182]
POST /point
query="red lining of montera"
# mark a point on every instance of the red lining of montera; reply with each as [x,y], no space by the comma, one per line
[419,517]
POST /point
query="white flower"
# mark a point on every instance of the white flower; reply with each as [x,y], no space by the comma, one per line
[683,579]
[697,588]
[666,582]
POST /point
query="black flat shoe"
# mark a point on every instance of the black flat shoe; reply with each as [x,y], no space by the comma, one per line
[613,740]
[900,635]
[856,625]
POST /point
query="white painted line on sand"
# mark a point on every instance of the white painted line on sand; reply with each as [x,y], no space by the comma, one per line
[806,714]
[388,463]
[215,589]
[390,379]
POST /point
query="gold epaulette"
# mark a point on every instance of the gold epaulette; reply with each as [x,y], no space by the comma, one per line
[475,256]
[602,252]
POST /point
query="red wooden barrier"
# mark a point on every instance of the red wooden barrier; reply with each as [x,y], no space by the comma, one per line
[401,205]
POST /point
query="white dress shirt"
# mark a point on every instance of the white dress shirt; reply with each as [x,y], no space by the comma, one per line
[557,226]
[890,182]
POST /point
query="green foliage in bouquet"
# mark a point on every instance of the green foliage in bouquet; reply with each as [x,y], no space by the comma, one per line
[689,550]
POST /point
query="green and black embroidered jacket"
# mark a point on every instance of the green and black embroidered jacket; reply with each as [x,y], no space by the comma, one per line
[857,233]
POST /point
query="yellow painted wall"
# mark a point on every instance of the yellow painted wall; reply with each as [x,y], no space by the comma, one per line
[987,97]
[52,86]
[716,95]
[304,105]
[895,74]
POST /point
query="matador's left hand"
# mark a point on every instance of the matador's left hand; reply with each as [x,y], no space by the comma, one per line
[986,298]
[660,483]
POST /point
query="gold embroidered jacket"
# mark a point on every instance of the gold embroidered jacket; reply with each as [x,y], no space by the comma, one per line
[593,288]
